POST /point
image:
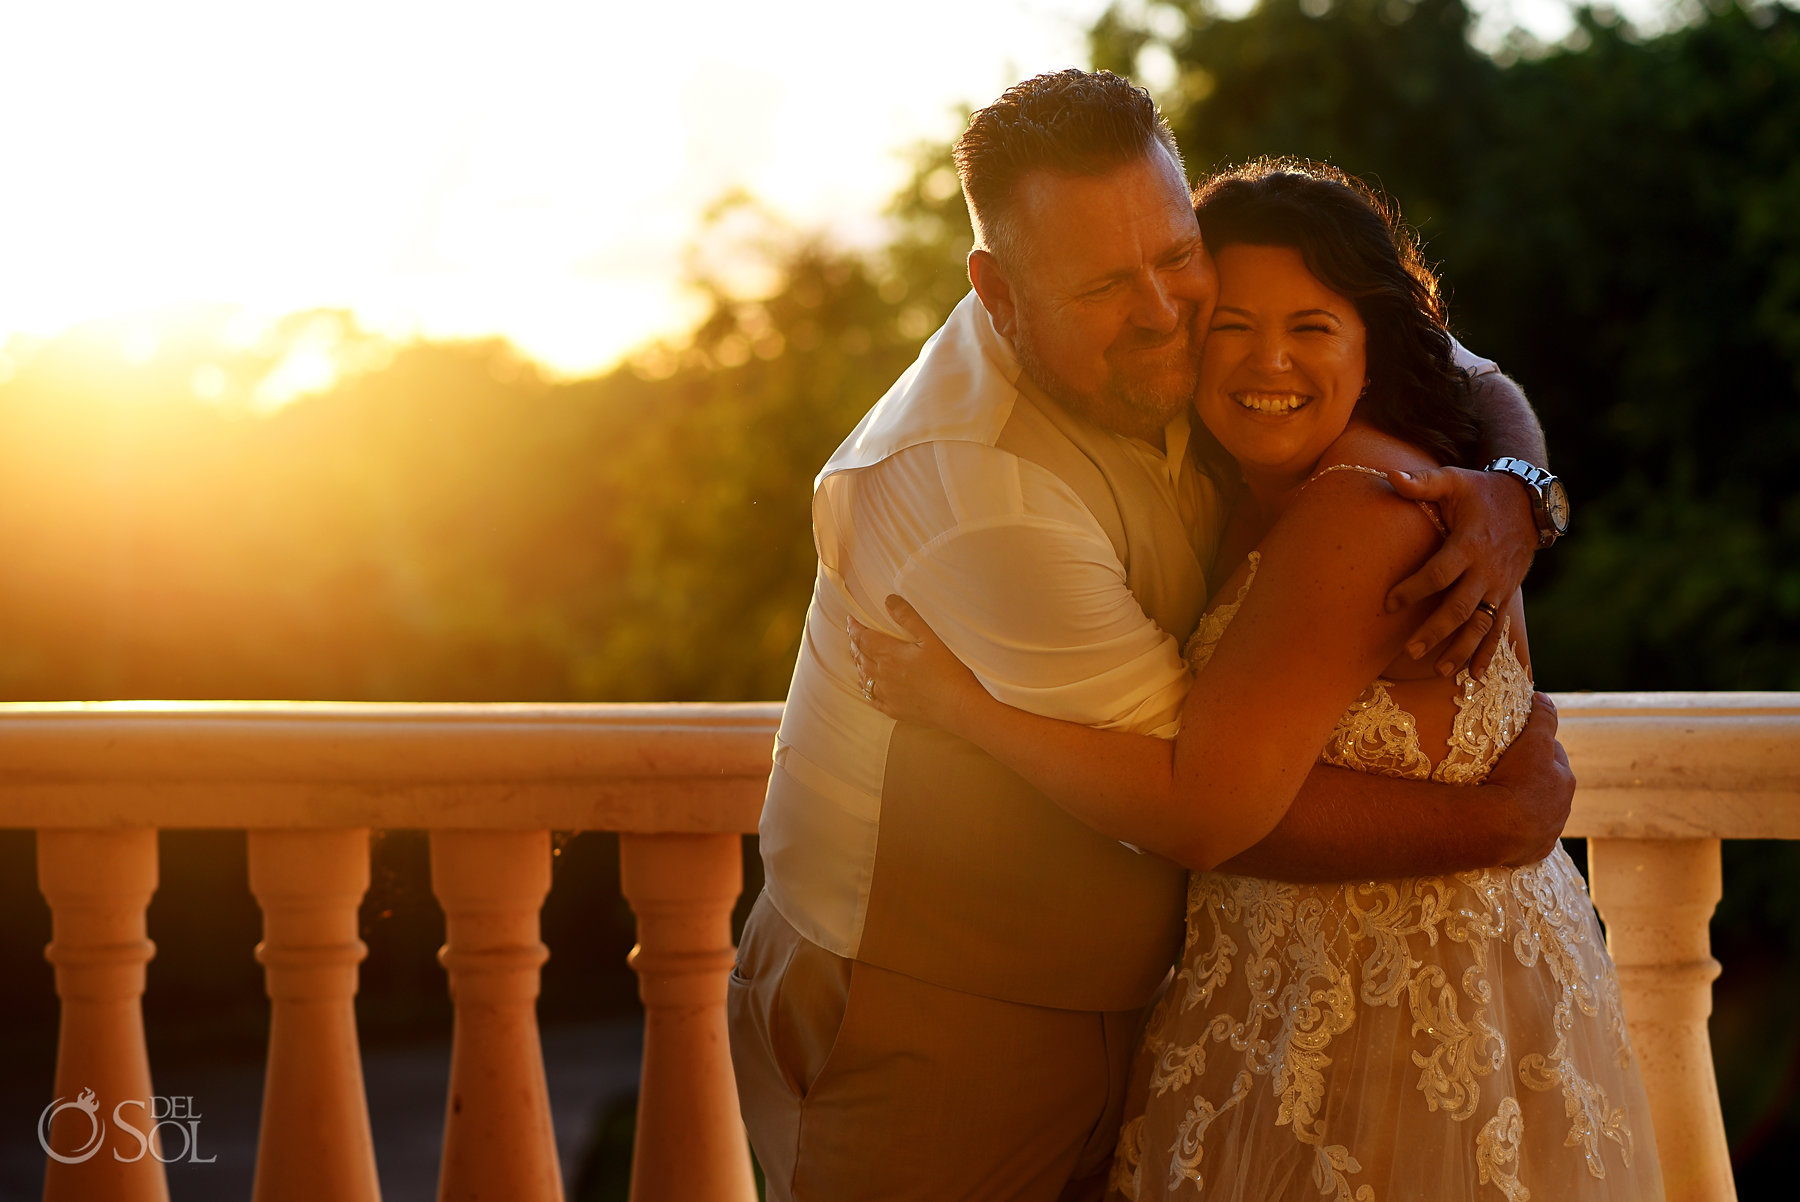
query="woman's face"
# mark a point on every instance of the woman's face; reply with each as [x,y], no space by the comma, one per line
[1284,363]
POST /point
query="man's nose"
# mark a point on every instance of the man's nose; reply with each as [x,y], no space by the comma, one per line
[1156,309]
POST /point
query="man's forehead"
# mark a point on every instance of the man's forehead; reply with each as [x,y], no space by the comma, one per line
[1083,221]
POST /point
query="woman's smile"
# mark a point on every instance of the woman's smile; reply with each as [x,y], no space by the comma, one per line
[1272,404]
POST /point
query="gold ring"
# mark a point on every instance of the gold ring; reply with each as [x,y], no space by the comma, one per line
[868,690]
[1487,607]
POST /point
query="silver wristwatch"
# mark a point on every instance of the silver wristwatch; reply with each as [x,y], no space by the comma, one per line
[1549,499]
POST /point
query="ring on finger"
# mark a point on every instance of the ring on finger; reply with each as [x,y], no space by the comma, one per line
[1488,608]
[868,689]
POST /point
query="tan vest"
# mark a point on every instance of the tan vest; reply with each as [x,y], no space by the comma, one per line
[981,883]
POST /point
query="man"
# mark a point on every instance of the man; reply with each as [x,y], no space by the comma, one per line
[939,990]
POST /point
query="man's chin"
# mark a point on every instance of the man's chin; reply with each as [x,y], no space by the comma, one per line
[1158,401]
[1139,403]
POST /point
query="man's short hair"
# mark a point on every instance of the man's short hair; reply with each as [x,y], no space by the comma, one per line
[1066,122]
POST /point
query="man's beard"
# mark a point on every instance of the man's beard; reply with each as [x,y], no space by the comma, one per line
[1125,402]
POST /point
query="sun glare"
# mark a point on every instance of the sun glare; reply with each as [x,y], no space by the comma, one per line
[534,172]
[447,171]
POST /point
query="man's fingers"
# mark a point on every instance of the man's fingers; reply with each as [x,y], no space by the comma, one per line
[1423,484]
[1544,717]
[1484,651]
[1467,641]
[1448,565]
[1457,606]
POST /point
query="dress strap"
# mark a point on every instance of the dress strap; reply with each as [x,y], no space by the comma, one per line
[1347,467]
[1430,511]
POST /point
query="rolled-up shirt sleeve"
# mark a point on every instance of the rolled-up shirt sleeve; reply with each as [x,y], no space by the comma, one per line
[1020,581]
[1471,363]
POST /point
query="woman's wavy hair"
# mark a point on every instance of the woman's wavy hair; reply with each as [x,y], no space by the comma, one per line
[1350,237]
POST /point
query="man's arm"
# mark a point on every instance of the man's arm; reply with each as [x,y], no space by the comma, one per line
[1020,581]
[1509,425]
[1492,539]
[1346,825]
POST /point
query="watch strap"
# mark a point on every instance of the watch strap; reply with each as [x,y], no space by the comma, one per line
[1536,481]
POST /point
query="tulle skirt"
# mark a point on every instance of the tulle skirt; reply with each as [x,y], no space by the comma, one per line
[1434,1038]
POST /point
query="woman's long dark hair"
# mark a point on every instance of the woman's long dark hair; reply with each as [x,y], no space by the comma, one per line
[1351,238]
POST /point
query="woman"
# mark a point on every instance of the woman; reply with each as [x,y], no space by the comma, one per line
[1432,1038]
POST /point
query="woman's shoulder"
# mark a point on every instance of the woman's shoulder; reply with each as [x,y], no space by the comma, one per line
[1361,446]
[1349,491]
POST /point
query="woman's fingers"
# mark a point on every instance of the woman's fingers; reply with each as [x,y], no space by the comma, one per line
[886,665]
[907,618]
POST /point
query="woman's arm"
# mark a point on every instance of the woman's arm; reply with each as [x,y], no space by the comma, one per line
[1312,632]
[1347,825]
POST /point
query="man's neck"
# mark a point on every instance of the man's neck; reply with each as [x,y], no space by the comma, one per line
[1156,437]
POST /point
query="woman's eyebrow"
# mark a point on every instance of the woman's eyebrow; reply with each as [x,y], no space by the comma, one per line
[1231,309]
[1325,313]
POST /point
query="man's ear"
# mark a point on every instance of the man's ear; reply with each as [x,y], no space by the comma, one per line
[995,291]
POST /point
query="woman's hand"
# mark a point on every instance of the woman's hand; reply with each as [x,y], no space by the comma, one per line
[917,681]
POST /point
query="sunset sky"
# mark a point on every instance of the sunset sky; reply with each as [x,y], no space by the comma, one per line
[532,170]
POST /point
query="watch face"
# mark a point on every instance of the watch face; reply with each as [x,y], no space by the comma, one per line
[1556,500]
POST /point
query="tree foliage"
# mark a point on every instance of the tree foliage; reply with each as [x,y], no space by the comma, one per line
[1615,219]
[1613,216]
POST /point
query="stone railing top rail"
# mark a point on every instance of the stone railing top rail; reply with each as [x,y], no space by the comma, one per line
[1651,765]
[646,768]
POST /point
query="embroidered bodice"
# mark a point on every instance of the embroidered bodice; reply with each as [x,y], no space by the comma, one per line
[1376,735]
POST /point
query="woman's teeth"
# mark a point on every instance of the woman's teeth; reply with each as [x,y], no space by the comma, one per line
[1271,402]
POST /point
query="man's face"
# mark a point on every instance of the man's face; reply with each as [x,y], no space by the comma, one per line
[1112,293]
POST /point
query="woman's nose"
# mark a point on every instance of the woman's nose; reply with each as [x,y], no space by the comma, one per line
[1271,353]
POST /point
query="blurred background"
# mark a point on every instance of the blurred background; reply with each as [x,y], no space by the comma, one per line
[433,352]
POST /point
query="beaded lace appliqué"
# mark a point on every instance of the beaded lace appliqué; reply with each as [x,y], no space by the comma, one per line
[1310,955]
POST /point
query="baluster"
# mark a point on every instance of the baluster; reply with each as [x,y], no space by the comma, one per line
[690,1136]
[1657,896]
[498,1138]
[315,1140]
[98,884]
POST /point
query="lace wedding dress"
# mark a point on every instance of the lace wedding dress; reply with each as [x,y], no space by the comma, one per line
[1433,1038]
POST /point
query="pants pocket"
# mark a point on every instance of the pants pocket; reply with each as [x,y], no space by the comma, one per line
[810,1004]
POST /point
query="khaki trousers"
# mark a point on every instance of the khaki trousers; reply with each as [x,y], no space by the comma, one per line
[858,1083]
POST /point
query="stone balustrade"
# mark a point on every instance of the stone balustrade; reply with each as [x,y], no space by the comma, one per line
[1663,778]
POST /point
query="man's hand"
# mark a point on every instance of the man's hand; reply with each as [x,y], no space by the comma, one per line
[1484,559]
[1535,770]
